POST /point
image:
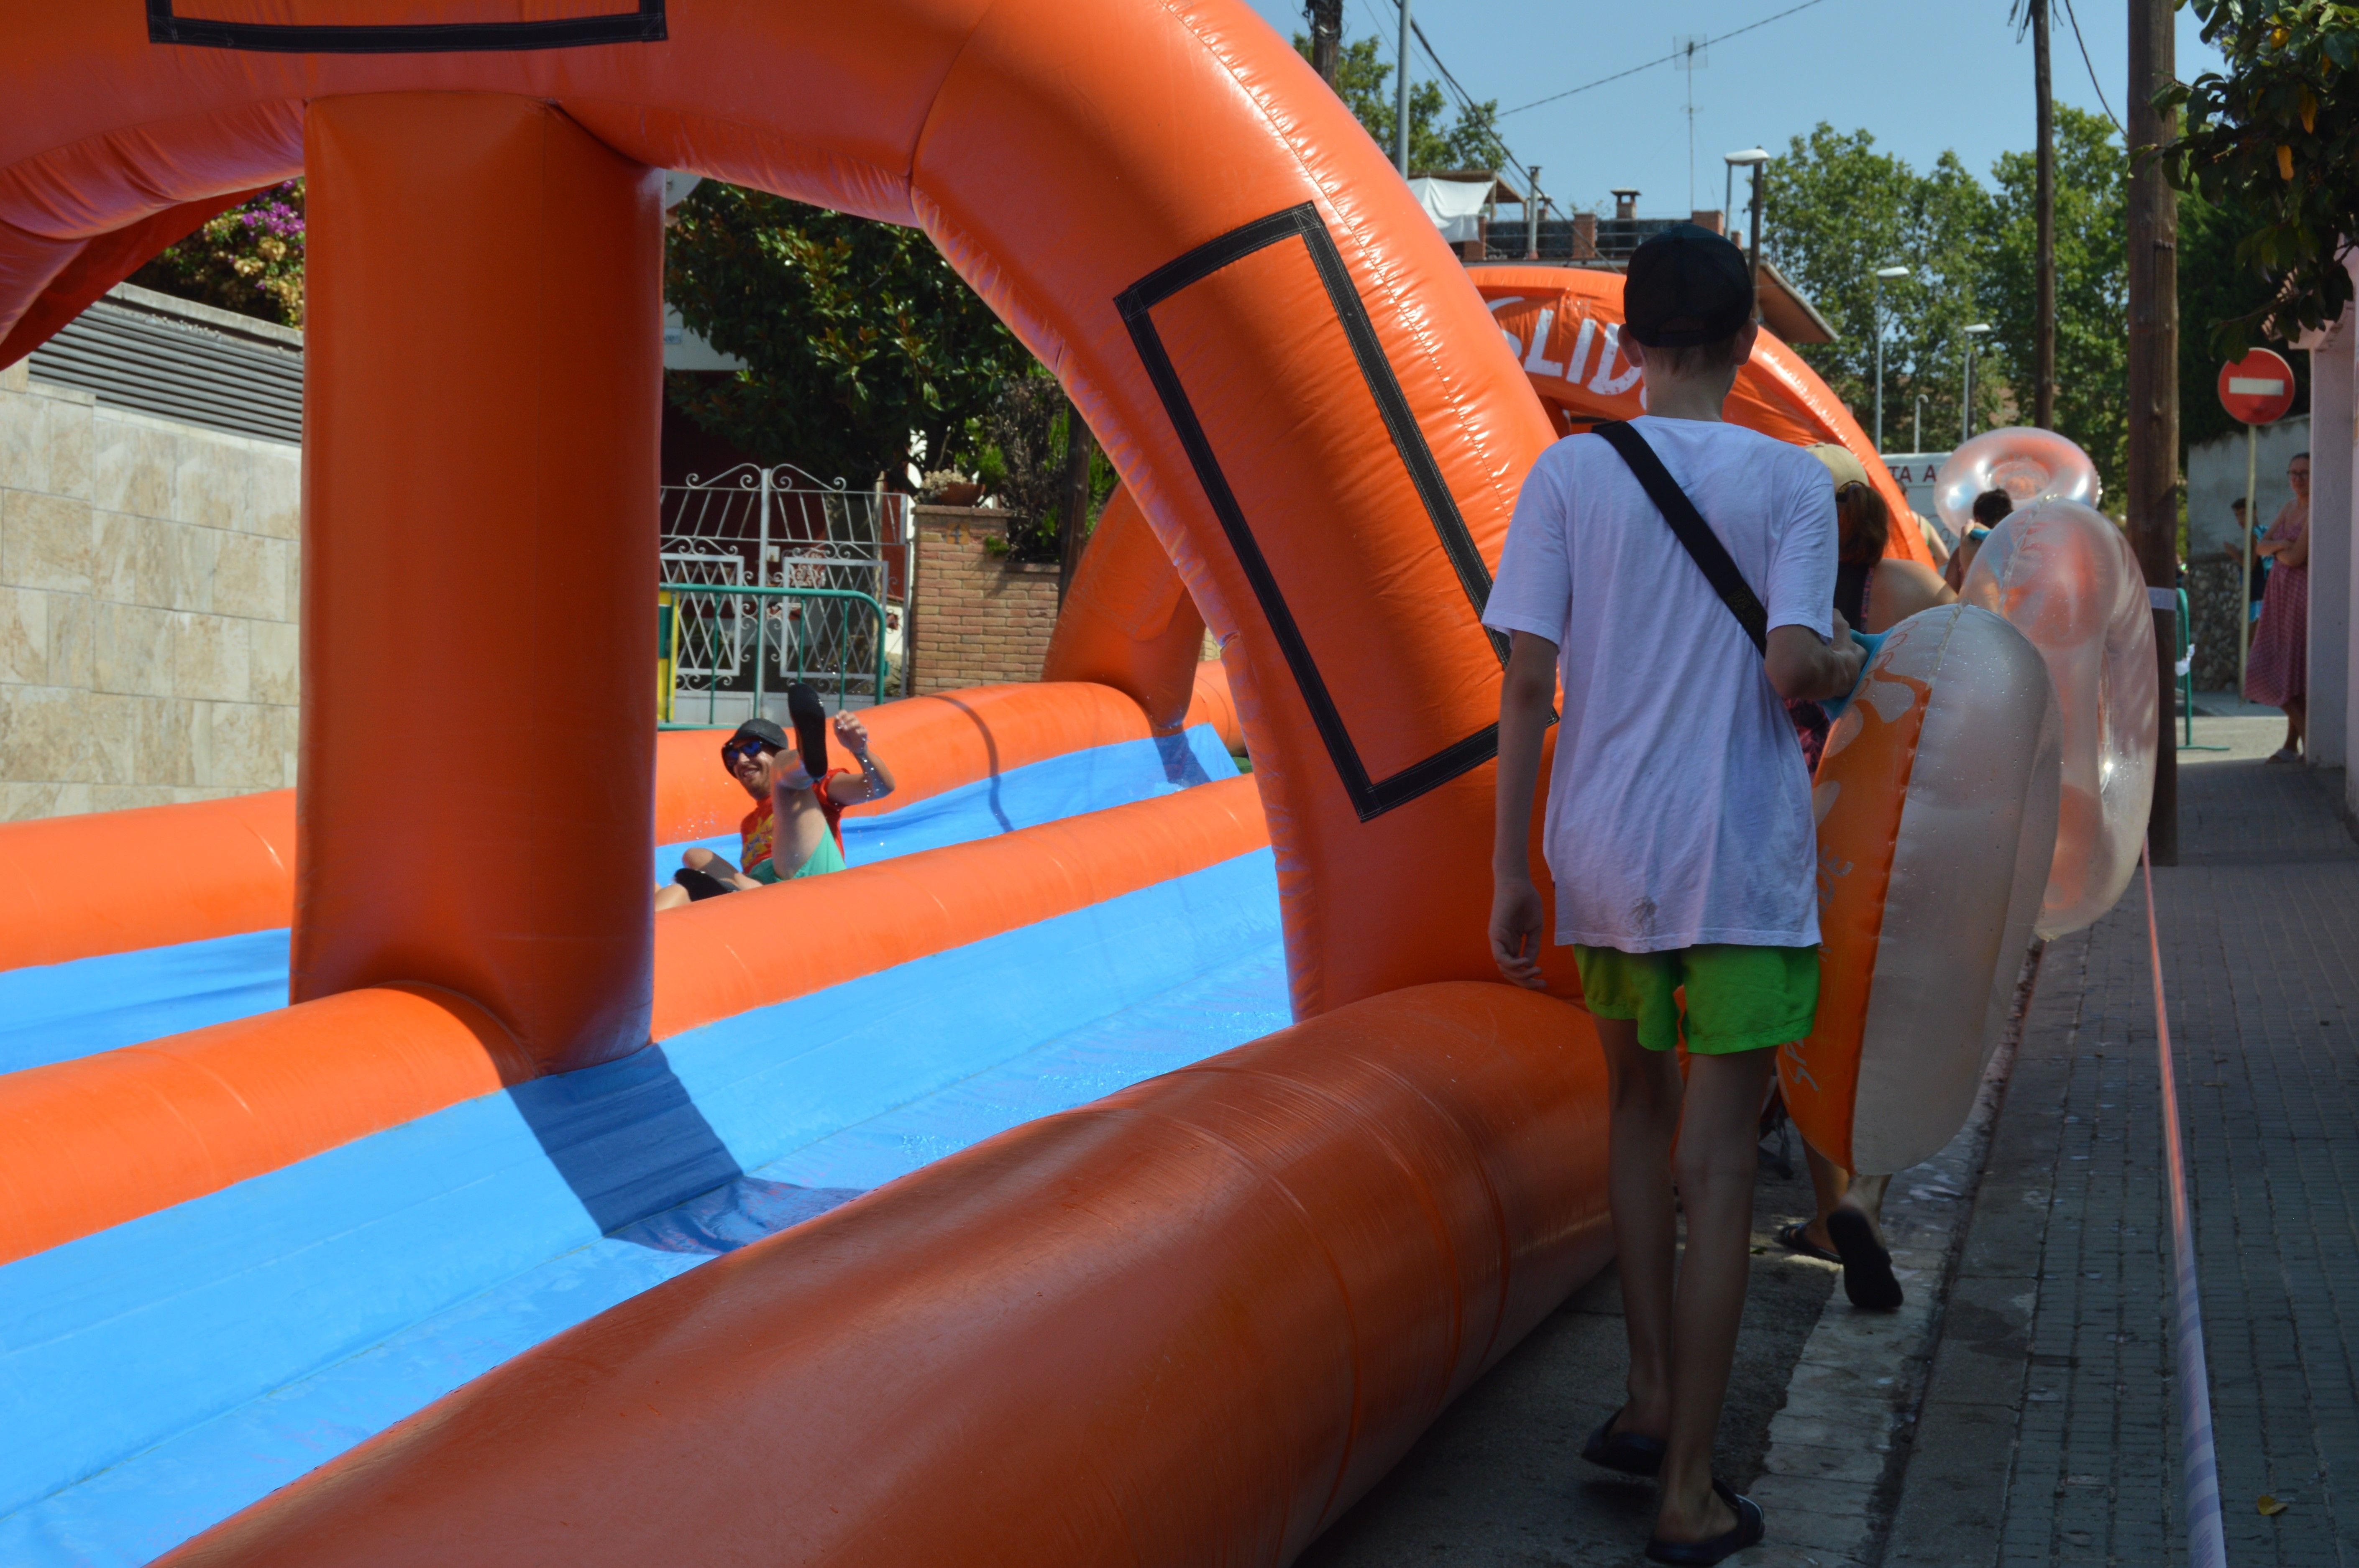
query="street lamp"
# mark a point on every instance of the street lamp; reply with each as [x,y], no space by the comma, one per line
[1966,401]
[1758,160]
[1884,274]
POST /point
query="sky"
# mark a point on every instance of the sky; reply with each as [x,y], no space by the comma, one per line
[1925,76]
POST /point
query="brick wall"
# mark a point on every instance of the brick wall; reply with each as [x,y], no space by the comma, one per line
[975,617]
[148,578]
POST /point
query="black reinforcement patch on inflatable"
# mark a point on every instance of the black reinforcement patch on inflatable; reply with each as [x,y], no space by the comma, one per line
[643,24]
[1370,797]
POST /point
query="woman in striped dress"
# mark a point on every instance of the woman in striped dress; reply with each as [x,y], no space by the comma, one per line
[2277,668]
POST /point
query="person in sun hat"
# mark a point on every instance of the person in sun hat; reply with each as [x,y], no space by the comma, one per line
[1679,827]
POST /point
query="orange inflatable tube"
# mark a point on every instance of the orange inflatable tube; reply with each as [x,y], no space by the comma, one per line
[216,868]
[1341,539]
[1564,324]
[1192,1323]
[1128,622]
[100,1140]
[209,867]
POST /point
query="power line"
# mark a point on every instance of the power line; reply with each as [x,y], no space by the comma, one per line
[2070,17]
[1665,59]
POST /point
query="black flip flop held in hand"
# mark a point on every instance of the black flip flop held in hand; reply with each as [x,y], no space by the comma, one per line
[1750,1527]
[1866,1266]
[1625,1451]
[808,715]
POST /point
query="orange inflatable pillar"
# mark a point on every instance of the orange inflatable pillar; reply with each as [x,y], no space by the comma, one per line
[1128,622]
[479,539]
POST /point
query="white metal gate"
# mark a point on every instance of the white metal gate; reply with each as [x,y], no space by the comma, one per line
[728,656]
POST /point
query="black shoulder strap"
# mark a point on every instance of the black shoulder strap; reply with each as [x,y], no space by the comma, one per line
[1711,556]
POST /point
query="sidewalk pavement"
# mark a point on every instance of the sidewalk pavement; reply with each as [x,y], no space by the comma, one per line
[2020,1411]
[2048,1433]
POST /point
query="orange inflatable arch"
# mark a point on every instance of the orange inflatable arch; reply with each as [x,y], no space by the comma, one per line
[1180,222]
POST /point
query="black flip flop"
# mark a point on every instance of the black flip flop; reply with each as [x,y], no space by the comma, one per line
[1795,1238]
[1625,1451]
[808,716]
[1866,1266]
[1750,1527]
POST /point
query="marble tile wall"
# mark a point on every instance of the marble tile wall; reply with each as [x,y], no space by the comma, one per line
[148,578]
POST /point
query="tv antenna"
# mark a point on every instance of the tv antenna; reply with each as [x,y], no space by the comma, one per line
[1692,55]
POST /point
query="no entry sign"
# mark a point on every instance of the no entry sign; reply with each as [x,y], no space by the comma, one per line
[2258,388]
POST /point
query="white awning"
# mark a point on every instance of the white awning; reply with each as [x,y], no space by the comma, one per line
[1454,205]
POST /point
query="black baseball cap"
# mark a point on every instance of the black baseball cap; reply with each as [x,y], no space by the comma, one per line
[1685,286]
[761,730]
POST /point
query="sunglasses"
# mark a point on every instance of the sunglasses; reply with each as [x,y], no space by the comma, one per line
[735,750]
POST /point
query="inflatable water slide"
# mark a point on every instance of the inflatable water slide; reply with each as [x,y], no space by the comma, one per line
[1123,1160]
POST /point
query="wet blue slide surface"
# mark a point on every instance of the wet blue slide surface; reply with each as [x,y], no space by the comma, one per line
[56,1011]
[160,1376]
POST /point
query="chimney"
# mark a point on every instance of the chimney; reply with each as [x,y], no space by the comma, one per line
[1584,236]
[1707,221]
[1625,205]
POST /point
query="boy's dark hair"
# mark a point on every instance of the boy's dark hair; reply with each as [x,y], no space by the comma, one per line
[1991,506]
[1693,359]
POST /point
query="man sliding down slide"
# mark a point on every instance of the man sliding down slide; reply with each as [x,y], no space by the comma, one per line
[799,790]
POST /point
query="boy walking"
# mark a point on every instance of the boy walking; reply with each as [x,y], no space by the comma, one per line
[1679,827]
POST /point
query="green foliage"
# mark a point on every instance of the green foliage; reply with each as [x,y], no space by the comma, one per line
[1361,74]
[2092,286]
[2276,137]
[1840,208]
[855,334]
[248,259]
[2214,287]
[1022,460]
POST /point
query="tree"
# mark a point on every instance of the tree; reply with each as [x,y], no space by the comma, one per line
[2092,286]
[2278,136]
[1840,208]
[855,335]
[2214,288]
[1361,74]
[248,259]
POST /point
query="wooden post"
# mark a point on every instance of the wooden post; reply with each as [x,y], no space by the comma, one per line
[2043,400]
[1326,19]
[2153,500]
[1072,527]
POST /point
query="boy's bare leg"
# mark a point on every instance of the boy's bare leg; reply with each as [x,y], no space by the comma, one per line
[1866,1193]
[708,862]
[672,897]
[1720,1123]
[1828,1181]
[1644,1088]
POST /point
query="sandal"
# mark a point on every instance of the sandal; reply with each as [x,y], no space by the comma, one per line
[1625,1451]
[1795,1238]
[1866,1266]
[2284,754]
[1750,1527]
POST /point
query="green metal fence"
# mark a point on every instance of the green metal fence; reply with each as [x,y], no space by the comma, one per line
[721,645]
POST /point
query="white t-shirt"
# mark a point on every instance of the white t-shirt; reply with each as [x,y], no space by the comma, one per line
[1679,811]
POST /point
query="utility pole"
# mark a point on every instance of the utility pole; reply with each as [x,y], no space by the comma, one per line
[1073,530]
[2043,401]
[1532,213]
[2153,500]
[1401,99]
[1326,19]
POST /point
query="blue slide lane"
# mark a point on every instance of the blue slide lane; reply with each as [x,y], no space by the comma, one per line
[55,1013]
[157,1376]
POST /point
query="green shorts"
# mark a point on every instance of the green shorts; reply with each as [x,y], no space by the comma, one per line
[1738,998]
